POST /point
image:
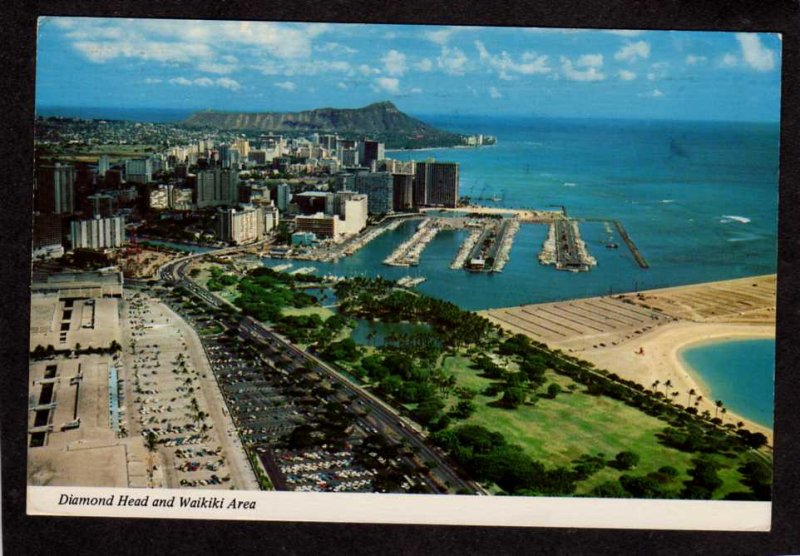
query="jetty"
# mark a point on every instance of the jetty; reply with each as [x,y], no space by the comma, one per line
[640,260]
[565,249]
[408,252]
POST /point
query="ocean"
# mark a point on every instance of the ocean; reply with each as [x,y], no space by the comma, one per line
[699,199]
[741,373]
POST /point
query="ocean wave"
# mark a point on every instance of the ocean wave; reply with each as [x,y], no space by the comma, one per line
[727,218]
[665,201]
[569,184]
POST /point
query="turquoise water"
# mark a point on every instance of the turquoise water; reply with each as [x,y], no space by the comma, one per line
[741,373]
[673,185]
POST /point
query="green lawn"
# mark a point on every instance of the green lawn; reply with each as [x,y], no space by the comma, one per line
[557,431]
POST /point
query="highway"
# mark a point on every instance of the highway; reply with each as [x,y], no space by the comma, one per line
[388,417]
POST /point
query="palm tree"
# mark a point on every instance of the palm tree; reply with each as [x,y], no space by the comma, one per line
[691,393]
[667,386]
[655,385]
[675,395]
[723,411]
[718,403]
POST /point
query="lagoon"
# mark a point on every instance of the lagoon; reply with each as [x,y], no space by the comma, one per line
[741,373]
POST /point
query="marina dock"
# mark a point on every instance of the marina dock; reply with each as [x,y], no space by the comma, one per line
[565,249]
[408,252]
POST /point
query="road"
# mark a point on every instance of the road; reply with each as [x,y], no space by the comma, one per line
[389,418]
[382,412]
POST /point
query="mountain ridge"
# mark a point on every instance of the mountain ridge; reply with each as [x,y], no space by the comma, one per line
[380,120]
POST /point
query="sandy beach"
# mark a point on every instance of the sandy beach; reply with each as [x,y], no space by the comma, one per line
[609,331]
[661,361]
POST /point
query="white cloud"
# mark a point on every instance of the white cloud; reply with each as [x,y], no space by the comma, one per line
[530,64]
[624,32]
[181,81]
[590,60]
[452,60]
[286,85]
[223,82]
[633,51]
[213,67]
[589,74]
[626,75]
[227,83]
[442,36]
[386,84]
[335,48]
[694,60]
[364,69]
[394,62]
[494,93]
[341,85]
[655,93]
[152,80]
[424,65]
[755,54]
[165,52]
[729,60]
[415,90]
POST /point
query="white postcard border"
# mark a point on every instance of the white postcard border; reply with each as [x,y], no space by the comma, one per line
[605,513]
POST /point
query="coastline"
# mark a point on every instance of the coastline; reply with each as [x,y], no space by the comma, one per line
[662,361]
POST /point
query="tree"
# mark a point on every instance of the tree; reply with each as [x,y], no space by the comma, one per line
[463,409]
[691,393]
[718,405]
[553,390]
[626,460]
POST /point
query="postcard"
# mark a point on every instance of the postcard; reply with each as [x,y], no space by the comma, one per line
[404,274]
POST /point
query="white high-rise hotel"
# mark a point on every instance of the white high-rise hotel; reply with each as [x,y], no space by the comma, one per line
[98,233]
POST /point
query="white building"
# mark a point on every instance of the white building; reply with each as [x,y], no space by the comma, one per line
[352,208]
[241,226]
[139,170]
[98,233]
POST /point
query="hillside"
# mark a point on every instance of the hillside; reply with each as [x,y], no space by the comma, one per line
[381,121]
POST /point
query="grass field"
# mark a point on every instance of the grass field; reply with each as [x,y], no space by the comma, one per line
[558,431]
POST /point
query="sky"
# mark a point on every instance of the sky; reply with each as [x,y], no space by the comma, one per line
[263,66]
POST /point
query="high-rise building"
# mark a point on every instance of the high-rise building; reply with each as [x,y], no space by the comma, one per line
[352,209]
[98,233]
[348,157]
[182,198]
[101,205]
[369,151]
[55,189]
[322,225]
[159,198]
[344,182]
[139,170]
[403,192]
[284,196]
[436,184]
[241,226]
[217,187]
[103,164]
[328,141]
[271,218]
[378,187]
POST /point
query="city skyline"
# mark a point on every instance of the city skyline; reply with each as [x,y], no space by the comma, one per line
[262,66]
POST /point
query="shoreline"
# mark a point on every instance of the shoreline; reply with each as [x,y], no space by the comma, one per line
[661,360]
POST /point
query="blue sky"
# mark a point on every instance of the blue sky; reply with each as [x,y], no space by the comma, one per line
[260,66]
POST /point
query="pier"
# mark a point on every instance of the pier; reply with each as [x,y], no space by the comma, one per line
[408,252]
[565,249]
[632,246]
